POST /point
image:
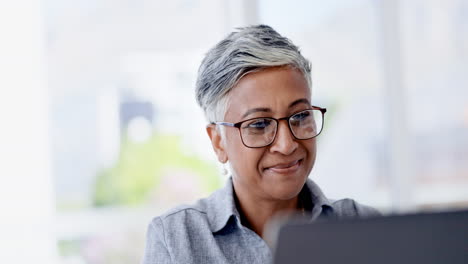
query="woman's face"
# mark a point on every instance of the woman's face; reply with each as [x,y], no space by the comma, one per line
[278,171]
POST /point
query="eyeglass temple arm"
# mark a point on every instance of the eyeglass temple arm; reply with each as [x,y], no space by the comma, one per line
[323,110]
[224,124]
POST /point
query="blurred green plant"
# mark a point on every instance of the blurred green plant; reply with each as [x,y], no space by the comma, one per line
[139,170]
[68,248]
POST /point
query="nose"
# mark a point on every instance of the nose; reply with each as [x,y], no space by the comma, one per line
[284,143]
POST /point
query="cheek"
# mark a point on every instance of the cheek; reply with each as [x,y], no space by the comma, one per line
[234,148]
[243,160]
[312,151]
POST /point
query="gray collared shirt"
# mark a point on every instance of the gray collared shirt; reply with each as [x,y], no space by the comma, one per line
[210,231]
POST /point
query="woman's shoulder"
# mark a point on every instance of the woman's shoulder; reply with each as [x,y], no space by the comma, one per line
[181,233]
[350,208]
[341,208]
[183,216]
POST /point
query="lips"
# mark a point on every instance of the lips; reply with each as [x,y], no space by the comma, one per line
[286,167]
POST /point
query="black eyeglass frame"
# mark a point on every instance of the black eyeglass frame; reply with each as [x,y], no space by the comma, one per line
[239,124]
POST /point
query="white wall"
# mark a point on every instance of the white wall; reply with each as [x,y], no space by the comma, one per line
[26,204]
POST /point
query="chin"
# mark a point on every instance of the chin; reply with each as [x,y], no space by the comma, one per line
[286,190]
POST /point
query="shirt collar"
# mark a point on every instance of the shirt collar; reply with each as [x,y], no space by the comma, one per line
[317,198]
[221,205]
[316,194]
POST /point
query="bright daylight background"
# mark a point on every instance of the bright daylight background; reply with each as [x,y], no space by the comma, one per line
[99,129]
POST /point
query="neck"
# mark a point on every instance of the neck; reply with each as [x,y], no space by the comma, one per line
[256,212]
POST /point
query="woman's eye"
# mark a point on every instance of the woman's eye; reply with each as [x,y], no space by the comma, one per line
[301,116]
[259,124]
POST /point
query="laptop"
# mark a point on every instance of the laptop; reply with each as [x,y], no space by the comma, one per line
[426,238]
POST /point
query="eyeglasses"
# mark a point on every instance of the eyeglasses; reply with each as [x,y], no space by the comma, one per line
[261,131]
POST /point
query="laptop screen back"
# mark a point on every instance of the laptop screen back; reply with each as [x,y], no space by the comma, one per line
[432,238]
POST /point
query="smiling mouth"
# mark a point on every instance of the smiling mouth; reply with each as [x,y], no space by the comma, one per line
[285,168]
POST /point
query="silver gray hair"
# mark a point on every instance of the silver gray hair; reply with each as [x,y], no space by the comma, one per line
[246,50]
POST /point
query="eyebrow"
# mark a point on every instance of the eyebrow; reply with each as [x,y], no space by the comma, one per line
[299,101]
[267,110]
[254,110]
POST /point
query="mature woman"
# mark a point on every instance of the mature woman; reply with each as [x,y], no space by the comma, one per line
[255,89]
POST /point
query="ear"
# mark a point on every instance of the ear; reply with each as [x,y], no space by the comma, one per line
[217,143]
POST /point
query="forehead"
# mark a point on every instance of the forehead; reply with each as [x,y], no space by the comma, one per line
[273,88]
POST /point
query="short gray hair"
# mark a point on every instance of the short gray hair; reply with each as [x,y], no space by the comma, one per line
[246,50]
